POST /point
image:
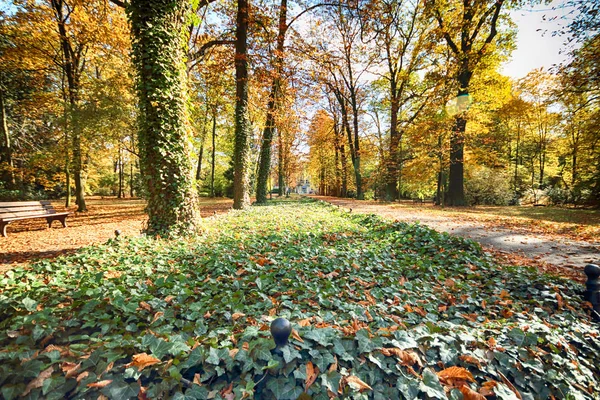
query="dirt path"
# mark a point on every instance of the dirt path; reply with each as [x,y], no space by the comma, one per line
[548,252]
[31,239]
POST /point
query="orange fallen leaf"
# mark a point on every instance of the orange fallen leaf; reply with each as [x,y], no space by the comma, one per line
[100,384]
[142,361]
[470,394]
[82,376]
[169,299]
[70,369]
[157,316]
[38,382]
[407,358]
[296,335]
[145,306]
[237,315]
[355,383]
[311,375]
[470,360]
[456,373]
[196,380]
[233,352]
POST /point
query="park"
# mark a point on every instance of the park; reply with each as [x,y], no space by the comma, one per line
[381,199]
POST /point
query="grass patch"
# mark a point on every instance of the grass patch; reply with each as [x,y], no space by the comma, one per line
[380,310]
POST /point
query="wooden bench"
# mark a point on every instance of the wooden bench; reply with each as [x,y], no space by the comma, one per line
[21,210]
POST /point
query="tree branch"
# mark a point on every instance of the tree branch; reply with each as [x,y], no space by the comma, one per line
[493,30]
[212,43]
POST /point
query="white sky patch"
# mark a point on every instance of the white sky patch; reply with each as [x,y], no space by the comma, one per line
[537,47]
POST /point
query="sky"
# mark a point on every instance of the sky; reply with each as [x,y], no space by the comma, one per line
[536,46]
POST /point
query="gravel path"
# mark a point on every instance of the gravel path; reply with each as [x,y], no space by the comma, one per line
[562,253]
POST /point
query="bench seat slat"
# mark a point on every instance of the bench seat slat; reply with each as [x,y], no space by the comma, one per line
[18,218]
[26,214]
[18,209]
[23,203]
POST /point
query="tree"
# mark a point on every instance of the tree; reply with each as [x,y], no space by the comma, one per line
[265,149]
[469,28]
[403,35]
[159,40]
[241,195]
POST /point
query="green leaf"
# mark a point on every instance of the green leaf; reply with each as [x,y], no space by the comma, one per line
[431,385]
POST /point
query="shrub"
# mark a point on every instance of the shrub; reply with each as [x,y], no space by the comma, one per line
[487,186]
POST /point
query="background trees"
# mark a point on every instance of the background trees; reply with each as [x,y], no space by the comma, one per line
[363,99]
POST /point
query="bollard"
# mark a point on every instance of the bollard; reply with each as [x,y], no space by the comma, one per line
[592,289]
[281,330]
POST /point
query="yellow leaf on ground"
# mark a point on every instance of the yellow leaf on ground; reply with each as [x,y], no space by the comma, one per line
[142,361]
[355,383]
[38,381]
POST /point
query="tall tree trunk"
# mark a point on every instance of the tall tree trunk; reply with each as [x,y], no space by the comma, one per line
[214,148]
[199,169]
[71,66]
[265,150]
[456,180]
[131,178]
[159,42]
[280,170]
[241,195]
[8,175]
[517,148]
[392,164]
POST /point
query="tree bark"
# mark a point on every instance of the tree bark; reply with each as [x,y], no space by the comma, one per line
[199,169]
[72,70]
[456,180]
[241,195]
[265,150]
[214,151]
[280,169]
[159,44]
[5,149]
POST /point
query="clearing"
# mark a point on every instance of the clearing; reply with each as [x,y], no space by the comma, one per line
[380,309]
[30,239]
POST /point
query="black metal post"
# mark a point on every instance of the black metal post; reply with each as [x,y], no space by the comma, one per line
[281,330]
[592,289]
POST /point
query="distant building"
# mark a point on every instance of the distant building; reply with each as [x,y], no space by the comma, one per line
[303,186]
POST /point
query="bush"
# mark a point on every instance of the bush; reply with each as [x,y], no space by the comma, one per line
[487,186]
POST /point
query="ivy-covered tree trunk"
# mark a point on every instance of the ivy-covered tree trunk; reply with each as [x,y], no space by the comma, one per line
[159,44]
[7,175]
[264,168]
[241,195]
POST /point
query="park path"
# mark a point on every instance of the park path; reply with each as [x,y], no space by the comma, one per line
[556,255]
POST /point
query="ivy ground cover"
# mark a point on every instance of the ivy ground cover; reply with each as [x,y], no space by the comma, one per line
[380,310]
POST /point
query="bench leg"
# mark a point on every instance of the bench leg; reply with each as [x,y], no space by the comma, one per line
[63,221]
[49,220]
[3,226]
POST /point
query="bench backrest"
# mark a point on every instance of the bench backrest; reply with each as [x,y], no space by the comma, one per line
[19,209]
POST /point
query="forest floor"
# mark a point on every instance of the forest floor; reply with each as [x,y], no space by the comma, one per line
[30,239]
[559,241]
[556,240]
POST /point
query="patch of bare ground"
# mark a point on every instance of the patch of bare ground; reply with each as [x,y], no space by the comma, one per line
[31,239]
